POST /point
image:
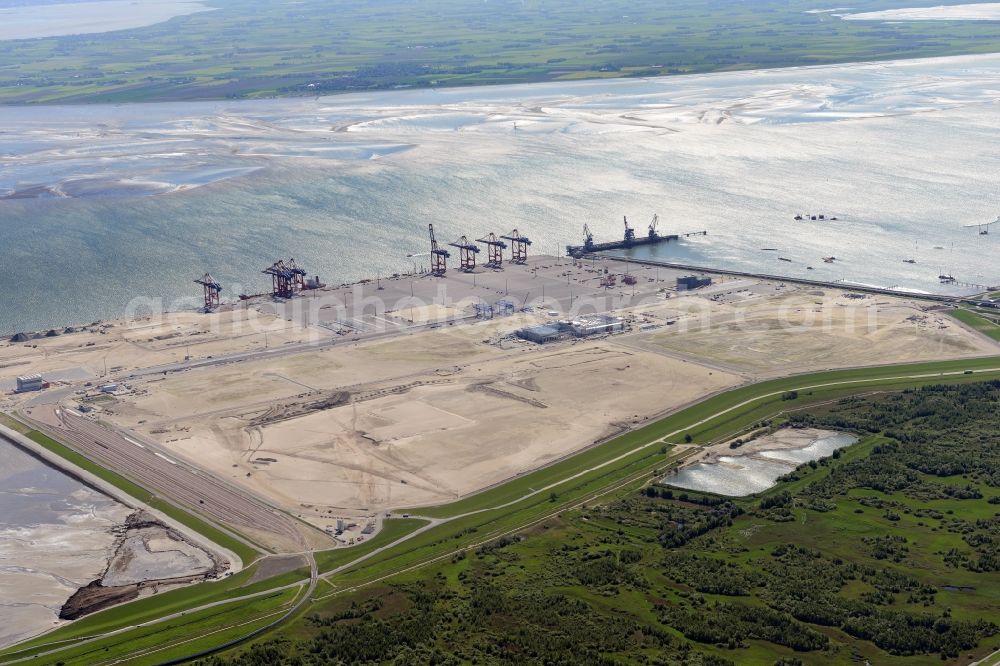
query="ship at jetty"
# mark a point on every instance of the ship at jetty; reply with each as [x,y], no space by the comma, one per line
[652,237]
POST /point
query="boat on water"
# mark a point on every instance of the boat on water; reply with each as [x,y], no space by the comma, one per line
[909,261]
[769,249]
[784,259]
[829,260]
[945,279]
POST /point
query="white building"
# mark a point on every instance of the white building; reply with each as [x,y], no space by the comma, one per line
[597,324]
[30,383]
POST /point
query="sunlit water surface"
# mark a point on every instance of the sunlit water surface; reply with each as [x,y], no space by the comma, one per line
[743,475]
[100,204]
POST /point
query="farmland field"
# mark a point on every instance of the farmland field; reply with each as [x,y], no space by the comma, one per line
[257,48]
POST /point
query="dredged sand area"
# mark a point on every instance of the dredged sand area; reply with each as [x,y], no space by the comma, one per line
[756,466]
[56,535]
[67,550]
[355,399]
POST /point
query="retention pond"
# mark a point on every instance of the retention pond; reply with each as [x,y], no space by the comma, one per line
[757,465]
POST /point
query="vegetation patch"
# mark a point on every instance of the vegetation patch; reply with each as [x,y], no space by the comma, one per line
[889,557]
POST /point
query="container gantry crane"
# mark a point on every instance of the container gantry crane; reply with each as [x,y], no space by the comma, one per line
[298,276]
[282,279]
[494,249]
[518,248]
[212,291]
[439,255]
[629,234]
[467,254]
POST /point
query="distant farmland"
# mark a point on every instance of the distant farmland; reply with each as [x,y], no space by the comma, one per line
[255,48]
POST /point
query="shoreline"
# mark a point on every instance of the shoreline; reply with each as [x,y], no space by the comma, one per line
[619,80]
[66,467]
[60,329]
[87,603]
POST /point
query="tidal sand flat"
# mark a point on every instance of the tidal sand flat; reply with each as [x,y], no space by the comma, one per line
[81,18]
[980,11]
[56,535]
[756,466]
[67,550]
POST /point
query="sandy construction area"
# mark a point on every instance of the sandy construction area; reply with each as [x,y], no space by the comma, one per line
[418,420]
[90,351]
[42,565]
[445,405]
[797,330]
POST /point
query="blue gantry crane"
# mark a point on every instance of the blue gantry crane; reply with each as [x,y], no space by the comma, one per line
[629,234]
[494,249]
[518,248]
[467,254]
[212,291]
[439,255]
[653,232]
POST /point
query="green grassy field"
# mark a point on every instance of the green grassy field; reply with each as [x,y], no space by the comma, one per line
[255,48]
[981,322]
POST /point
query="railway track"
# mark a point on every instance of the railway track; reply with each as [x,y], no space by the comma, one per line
[191,488]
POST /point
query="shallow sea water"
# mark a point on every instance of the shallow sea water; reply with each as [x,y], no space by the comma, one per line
[55,536]
[101,204]
[77,18]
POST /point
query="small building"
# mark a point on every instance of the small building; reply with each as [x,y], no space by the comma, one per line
[692,282]
[108,388]
[30,383]
[541,334]
[597,324]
